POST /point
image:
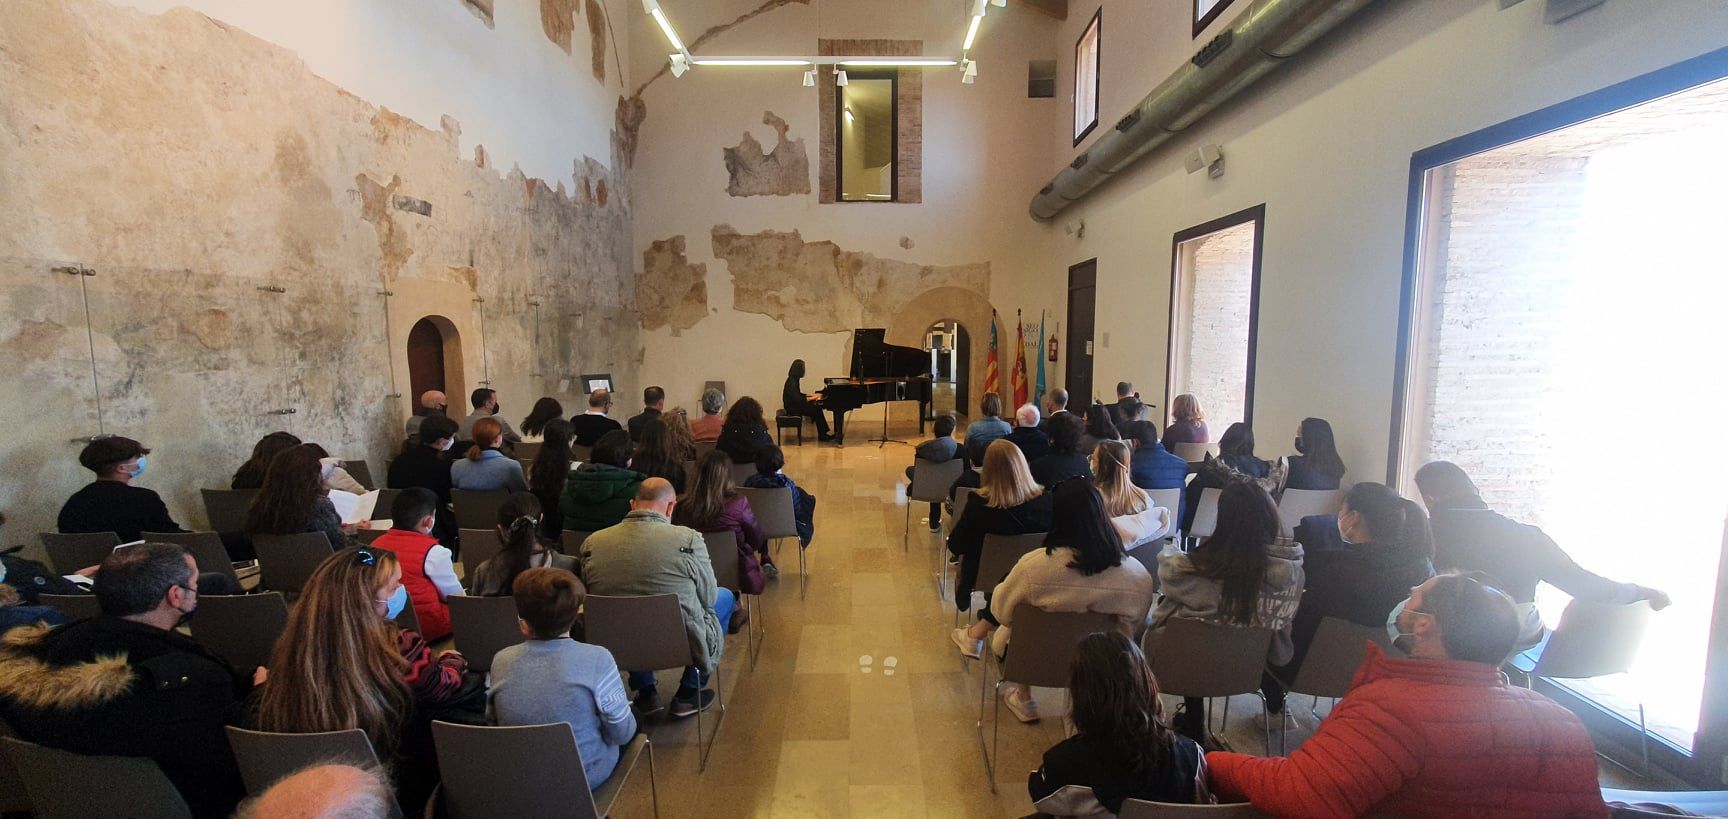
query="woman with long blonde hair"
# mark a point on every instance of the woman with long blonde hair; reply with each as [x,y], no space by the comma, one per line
[1130,508]
[1008,502]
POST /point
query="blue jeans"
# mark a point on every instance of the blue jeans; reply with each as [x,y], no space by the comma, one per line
[724,603]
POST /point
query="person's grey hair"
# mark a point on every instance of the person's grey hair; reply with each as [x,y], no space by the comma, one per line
[134,580]
[1027,415]
[373,800]
[713,401]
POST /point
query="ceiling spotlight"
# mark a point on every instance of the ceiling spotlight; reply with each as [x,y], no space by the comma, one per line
[680,64]
[970,74]
[810,78]
[840,77]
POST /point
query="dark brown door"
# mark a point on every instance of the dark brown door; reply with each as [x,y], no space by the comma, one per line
[1082,312]
[425,358]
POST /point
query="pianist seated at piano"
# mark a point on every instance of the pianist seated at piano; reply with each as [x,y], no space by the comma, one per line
[744,433]
[881,373]
[797,402]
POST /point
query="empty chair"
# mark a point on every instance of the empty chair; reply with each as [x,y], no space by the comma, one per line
[1338,649]
[478,546]
[527,770]
[206,548]
[647,634]
[241,628]
[929,484]
[723,556]
[1592,640]
[361,473]
[1040,653]
[477,510]
[69,553]
[570,541]
[65,785]
[773,510]
[75,606]
[1195,453]
[1141,809]
[1205,520]
[227,508]
[1206,660]
[1297,504]
[265,758]
[483,626]
[286,561]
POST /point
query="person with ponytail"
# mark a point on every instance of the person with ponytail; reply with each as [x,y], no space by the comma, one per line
[485,469]
[1121,748]
[519,518]
[427,568]
[551,468]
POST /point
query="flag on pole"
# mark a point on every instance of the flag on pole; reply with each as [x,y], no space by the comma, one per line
[991,384]
[1018,377]
[1039,392]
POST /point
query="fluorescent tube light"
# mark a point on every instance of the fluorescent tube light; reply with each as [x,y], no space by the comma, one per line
[666,27]
[898,62]
[750,61]
[971,34]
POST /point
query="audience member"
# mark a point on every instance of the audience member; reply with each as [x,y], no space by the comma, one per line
[597,493]
[1099,426]
[1469,536]
[592,424]
[941,448]
[547,474]
[125,683]
[16,612]
[1246,574]
[1359,564]
[770,466]
[1439,734]
[1318,466]
[653,406]
[333,473]
[518,519]
[343,663]
[1065,459]
[1127,407]
[428,572]
[679,440]
[1151,466]
[712,506]
[545,410]
[795,401]
[989,425]
[1235,462]
[1131,511]
[647,554]
[745,432]
[1080,569]
[1121,748]
[432,403]
[485,403]
[1190,424]
[972,474]
[325,792]
[1007,502]
[294,500]
[1033,443]
[424,465]
[111,503]
[707,428]
[1055,403]
[654,455]
[250,475]
[484,468]
[552,678]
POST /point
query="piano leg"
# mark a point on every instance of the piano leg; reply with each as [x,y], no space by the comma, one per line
[839,427]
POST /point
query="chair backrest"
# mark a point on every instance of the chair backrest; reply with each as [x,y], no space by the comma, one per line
[1337,651]
[206,548]
[643,633]
[483,626]
[742,473]
[930,480]
[1195,453]
[366,536]
[478,546]
[226,508]
[570,541]
[266,758]
[408,619]
[689,474]
[1297,504]
[1594,640]
[13,797]
[65,785]
[1141,809]
[1000,553]
[1147,553]
[286,561]
[1198,659]
[386,502]
[240,628]
[582,454]
[1205,520]
[705,447]
[1170,499]
[477,510]
[360,472]
[773,509]
[1043,644]
[75,606]
[723,554]
[69,553]
[520,770]
[961,496]
[527,451]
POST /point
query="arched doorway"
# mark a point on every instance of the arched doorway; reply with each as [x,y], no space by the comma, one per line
[950,349]
[434,358]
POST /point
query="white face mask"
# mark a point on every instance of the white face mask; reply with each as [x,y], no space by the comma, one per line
[447,443]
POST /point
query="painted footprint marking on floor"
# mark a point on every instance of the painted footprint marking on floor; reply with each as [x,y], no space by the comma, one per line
[866,662]
[888,666]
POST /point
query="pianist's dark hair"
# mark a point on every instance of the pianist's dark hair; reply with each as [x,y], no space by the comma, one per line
[797,369]
[746,412]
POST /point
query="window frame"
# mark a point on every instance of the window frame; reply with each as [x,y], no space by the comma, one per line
[893,76]
[1201,21]
[1256,216]
[1097,24]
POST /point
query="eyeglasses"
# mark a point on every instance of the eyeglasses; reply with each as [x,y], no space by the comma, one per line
[365,556]
[184,587]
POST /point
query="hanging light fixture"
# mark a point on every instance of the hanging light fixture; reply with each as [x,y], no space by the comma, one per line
[840,77]
[810,78]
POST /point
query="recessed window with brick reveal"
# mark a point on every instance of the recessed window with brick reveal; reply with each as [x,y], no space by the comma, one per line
[1214,295]
[872,128]
[1566,296]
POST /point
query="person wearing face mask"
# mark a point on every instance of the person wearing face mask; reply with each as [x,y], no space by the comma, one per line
[427,465]
[343,663]
[1318,465]
[111,503]
[1438,734]
[126,683]
[427,570]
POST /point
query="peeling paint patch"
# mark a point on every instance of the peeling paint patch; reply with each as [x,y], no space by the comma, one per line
[627,126]
[411,205]
[391,128]
[481,9]
[393,246]
[784,171]
[596,39]
[670,291]
[558,20]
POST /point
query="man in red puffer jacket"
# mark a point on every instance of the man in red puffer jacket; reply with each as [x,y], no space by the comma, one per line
[1440,734]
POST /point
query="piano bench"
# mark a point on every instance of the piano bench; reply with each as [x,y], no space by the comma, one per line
[783,421]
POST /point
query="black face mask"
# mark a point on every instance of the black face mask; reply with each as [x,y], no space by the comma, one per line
[497,410]
[1299,447]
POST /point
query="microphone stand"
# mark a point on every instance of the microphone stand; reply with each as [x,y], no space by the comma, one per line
[886,400]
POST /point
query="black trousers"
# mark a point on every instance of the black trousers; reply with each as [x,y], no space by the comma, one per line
[814,413]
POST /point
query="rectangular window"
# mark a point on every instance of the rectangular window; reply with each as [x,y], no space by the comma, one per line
[1205,11]
[867,121]
[1214,308]
[1087,64]
[1565,300]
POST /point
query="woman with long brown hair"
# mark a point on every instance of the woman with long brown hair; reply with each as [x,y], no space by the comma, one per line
[518,520]
[484,468]
[545,409]
[1121,748]
[549,471]
[711,506]
[1130,508]
[293,499]
[250,475]
[655,456]
[680,439]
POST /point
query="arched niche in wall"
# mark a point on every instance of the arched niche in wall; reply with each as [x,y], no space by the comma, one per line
[971,310]
[434,357]
[427,311]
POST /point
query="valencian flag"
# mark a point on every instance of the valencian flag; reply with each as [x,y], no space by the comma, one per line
[1038,392]
[990,381]
[1018,376]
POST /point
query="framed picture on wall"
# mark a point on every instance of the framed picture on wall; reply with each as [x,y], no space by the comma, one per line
[1087,65]
[1205,11]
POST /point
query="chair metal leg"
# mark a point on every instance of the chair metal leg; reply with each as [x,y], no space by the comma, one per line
[720,701]
[1268,732]
[803,573]
[989,765]
[1643,741]
[906,530]
[753,641]
[653,782]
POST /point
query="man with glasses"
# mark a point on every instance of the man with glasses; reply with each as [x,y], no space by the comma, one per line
[127,684]
[1438,734]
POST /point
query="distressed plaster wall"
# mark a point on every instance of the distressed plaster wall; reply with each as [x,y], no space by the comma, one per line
[243,218]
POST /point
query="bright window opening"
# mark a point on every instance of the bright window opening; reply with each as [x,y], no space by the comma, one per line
[869,115]
[1213,308]
[1087,56]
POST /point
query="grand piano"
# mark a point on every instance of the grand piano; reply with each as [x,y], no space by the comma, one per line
[880,372]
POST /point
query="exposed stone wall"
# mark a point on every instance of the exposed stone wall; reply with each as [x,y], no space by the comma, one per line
[783,171]
[243,219]
[671,292]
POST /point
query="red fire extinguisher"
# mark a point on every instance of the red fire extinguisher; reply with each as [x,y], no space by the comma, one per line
[1052,347]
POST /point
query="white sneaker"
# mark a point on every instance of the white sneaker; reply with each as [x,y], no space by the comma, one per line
[968,646]
[1021,703]
[1262,720]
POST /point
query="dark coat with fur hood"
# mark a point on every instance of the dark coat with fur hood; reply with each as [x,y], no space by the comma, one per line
[115,687]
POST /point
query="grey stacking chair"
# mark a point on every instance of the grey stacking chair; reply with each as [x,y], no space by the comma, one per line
[65,785]
[961,497]
[742,472]
[1297,504]
[1592,640]
[478,546]
[723,556]
[75,606]
[570,542]
[999,555]
[1338,649]
[527,770]
[1141,809]
[206,548]
[929,484]
[286,561]
[1205,520]
[360,472]
[1040,652]
[483,627]
[477,510]
[227,508]
[773,510]
[267,758]
[69,553]
[241,628]
[1170,499]
[647,634]
[1206,660]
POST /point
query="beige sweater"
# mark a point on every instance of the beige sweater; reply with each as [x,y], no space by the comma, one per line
[1045,581]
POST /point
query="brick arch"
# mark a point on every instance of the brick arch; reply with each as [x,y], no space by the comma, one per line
[967,307]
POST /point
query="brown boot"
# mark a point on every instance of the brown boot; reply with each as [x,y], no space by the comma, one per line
[740,616]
